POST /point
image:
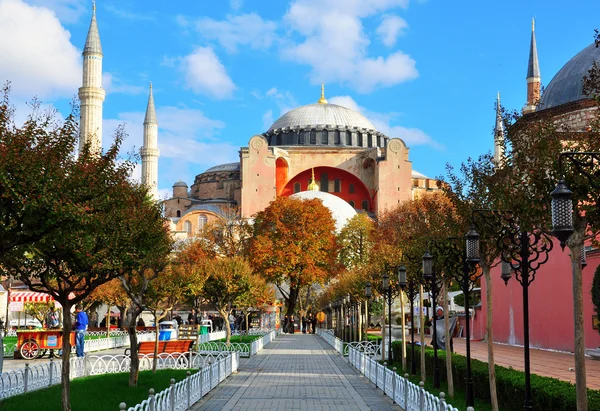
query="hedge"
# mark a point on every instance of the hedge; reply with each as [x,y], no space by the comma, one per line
[548,393]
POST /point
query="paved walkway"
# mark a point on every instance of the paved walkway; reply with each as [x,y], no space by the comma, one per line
[549,363]
[296,372]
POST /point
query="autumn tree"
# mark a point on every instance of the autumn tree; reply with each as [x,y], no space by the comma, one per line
[111,294]
[259,294]
[39,310]
[356,241]
[294,245]
[228,236]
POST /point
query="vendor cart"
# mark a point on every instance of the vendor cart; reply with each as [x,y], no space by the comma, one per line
[36,343]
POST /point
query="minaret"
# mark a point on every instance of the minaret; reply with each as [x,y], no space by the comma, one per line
[498,134]
[534,80]
[149,151]
[91,93]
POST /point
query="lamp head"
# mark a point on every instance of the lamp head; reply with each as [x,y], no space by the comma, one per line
[402,276]
[562,213]
[472,246]
[427,266]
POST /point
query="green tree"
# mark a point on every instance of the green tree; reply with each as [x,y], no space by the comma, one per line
[356,241]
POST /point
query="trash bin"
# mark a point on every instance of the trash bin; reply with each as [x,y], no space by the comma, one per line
[164,335]
[204,329]
[167,331]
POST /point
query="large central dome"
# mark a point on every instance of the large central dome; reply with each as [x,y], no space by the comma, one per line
[330,115]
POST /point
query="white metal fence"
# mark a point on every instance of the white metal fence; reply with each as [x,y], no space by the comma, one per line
[182,395]
[409,396]
[31,378]
[244,349]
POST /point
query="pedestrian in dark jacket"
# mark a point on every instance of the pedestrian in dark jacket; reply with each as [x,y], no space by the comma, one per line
[286,324]
[314,324]
[303,325]
[292,325]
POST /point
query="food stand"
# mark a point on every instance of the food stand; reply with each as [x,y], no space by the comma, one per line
[35,343]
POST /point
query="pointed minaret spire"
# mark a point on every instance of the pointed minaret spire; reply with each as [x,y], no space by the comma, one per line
[498,134]
[534,79]
[91,93]
[149,151]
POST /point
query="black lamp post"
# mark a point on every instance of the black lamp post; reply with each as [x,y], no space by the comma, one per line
[472,259]
[411,291]
[387,290]
[368,295]
[402,285]
[525,252]
[429,277]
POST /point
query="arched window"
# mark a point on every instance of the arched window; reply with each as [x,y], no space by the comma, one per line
[187,226]
[348,138]
[313,137]
[351,203]
[301,136]
[351,189]
[324,182]
[178,213]
[337,185]
[336,138]
[296,188]
[202,219]
[324,137]
[365,205]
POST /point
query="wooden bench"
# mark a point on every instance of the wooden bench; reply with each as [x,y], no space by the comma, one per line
[164,347]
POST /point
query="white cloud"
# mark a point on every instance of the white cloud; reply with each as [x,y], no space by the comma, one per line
[267,119]
[37,54]
[68,11]
[390,28]
[205,74]
[113,84]
[335,45]
[244,29]
[128,15]
[283,99]
[382,122]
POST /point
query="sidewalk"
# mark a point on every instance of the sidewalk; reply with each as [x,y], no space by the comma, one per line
[296,372]
[547,363]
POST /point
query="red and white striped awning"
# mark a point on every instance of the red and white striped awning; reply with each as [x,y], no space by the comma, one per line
[29,297]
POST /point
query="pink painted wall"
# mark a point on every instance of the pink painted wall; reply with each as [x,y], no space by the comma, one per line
[550,306]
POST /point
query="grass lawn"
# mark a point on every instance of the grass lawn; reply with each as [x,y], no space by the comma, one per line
[246,339]
[97,393]
[371,337]
[459,396]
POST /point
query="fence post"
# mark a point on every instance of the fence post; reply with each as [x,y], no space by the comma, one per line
[172,395]
[26,377]
[122,406]
[405,391]
[151,400]
[470,409]
[188,384]
[209,375]
[442,401]
[50,367]
[421,396]
[85,366]
[394,385]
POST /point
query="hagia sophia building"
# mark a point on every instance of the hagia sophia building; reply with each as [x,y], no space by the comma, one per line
[351,160]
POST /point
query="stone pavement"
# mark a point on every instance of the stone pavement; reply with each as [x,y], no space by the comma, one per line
[554,364]
[296,372]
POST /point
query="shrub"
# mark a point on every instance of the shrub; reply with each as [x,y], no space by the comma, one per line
[548,393]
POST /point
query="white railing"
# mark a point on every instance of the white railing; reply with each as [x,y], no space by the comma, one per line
[409,396]
[245,349]
[182,395]
[332,340]
[35,377]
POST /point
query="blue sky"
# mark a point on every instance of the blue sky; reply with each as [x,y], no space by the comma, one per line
[426,71]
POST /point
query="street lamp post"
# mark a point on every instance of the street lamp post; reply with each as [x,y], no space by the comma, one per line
[387,290]
[429,277]
[402,285]
[525,252]
[368,295]
[411,291]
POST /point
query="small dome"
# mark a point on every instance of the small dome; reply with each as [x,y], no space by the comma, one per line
[180,183]
[567,84]
[322,114]
[341,211]
[224,167]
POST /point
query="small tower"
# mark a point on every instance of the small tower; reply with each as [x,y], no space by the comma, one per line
[534,80]
[91,93]
[498,134]
[149,150]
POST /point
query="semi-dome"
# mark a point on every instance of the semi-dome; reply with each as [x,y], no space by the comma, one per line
[224,167]
[567,84]
[180,183]
[330,115]
[340,210]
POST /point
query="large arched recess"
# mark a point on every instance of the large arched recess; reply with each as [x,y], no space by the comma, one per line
[281,174]
[359,193]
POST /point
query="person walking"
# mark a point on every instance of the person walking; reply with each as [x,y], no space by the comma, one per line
[292,325]
[314,323]
[286,324]
[81,324]
[52,318]
[303,325]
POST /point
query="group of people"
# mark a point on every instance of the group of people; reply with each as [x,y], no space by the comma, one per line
[307,324]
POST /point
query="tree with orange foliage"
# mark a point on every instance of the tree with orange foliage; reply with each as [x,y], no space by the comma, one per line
[110,293]
[259,294]
[294,246]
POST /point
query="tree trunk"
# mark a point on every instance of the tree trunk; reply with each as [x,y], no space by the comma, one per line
[360,322]
[580,376]
[292,299]
[66,357]
[447,337]
[422,329]
[490,335]
[403,324]
[134,370]
[225,315]
[155,359]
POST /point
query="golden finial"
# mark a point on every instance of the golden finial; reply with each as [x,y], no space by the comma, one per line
[322,100]
[94,5]
[533,24]
[150,86]
[313,185]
